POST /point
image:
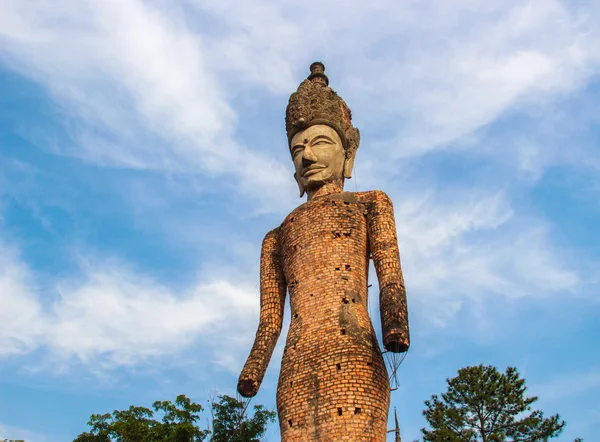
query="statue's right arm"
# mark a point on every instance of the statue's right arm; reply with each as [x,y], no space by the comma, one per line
[272,299]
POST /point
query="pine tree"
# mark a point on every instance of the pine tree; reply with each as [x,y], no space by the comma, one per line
[482,404]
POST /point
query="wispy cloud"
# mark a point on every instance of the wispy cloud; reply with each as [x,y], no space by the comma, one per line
[10,432]
[568,385]
[124,318]
[21,327]
[136,87]
[426,74]
[468,246]
[145,88]
[111,316]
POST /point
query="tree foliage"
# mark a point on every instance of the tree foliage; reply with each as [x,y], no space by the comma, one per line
[228,425]
[179,423]
[482,404]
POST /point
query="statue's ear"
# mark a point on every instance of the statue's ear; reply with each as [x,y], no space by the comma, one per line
[300,186]
[349,163]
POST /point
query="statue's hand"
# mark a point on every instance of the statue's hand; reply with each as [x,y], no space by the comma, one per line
[247,387]
[395,342]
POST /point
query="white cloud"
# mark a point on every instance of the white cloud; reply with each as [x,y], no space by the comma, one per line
[523,52]
[467,246]
[151,70]
[425,74]
[112,316]
[10,432]
[568,385]
[430,225]
[137,87]
[150,86]
[21,322]
[125,318]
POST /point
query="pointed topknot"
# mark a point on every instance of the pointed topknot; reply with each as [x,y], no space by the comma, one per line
[317,73]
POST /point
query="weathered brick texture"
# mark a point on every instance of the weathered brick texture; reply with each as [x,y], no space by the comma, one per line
[333,384]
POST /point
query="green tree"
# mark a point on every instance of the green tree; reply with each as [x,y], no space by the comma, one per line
[229,424]
[179,423]
[482,404]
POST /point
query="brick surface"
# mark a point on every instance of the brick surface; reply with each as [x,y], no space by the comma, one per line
[333,384]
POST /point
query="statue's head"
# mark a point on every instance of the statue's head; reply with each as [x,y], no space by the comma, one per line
[321,137]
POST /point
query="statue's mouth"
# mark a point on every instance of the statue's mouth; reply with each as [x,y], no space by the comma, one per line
[312,170]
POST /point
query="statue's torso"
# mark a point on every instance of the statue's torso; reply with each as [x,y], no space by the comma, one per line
[333,381]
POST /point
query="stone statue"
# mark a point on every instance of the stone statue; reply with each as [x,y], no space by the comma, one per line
[333,384]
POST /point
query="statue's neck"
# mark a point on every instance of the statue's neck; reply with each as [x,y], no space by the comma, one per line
[326,189]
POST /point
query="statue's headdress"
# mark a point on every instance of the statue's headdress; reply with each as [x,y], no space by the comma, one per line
[316,103]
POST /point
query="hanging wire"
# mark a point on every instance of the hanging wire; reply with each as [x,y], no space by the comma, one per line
[394,360]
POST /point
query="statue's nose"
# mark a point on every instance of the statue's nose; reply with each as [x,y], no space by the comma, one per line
[308,156]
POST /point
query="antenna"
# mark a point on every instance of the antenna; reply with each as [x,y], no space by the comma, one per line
[397,429]
[398,438]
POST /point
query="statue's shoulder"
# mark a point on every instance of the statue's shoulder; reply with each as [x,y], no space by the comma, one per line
[290,217]
[272,235]
[373,197]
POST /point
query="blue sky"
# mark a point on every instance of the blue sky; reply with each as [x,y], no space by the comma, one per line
[143,157]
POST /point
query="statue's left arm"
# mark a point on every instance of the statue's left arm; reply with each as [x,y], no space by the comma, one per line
[386,259]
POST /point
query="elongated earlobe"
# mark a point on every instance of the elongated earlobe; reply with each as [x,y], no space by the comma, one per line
[349,164]
[300,186]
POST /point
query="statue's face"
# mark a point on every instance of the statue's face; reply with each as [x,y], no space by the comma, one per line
[318,156]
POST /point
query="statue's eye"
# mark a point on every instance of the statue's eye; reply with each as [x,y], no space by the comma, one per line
[296,151]
[320,142]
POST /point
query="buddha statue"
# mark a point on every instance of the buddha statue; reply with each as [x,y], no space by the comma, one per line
[333,384]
